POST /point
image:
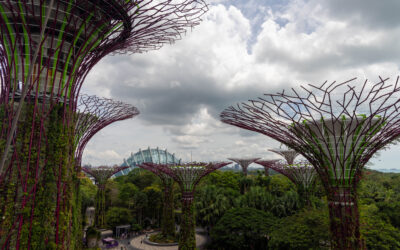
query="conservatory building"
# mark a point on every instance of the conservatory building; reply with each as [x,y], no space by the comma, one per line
[153,155]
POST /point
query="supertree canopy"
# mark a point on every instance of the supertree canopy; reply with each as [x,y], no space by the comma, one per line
[337,127]
[48,47]
[267,164]
[288,154]
[302,174]
[101,174]
[168,215]
[244,163]
[95,113]
[187,176]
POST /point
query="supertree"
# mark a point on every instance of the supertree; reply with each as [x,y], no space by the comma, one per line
[94,114]
[187,176]
[101,174]
[267,165]
[244,163]
[302,174]
[168,215]
[337,127]
[289,154]
[48,47]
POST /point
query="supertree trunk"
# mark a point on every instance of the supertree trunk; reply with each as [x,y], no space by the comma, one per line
[337,127]
[168,214]
[187,176]
[93,114]
[47,48]
[187,233]
[266,172]
[38,182]
[101,175]
[344,219]
[100,217]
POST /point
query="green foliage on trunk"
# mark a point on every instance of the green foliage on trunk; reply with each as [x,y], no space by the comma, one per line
[43,160]
[187,234]
[168,214]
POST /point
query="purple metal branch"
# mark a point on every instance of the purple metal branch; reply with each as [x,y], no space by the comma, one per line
[186,175]
[267,164]
[301,173]
[47,48]
[244,163]
[94,114]
[102,173]
[288,154]
[164,177]
[337,127]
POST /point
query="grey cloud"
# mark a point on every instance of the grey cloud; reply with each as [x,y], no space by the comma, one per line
[160,104]
[372,13]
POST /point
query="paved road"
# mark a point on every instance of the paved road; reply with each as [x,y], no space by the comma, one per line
[136,243]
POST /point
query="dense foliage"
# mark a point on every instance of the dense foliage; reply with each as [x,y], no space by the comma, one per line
[42,205]
[255,212]
[243,228]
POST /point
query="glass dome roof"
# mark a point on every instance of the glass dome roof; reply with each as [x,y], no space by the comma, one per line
[154,155]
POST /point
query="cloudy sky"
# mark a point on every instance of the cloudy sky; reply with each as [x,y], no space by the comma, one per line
[242,49]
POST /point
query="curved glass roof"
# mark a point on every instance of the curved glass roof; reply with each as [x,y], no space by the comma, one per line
[154,155]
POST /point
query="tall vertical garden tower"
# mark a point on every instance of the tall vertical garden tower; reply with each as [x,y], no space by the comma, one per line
[168,214]
[47,48]
[187,176]
[337,127]
[101,175]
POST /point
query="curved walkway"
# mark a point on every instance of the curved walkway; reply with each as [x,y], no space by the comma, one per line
[138,243]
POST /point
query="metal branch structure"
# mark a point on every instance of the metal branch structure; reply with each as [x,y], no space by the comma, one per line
[267,164]
[168,215]
[302,174]
[47,48]
[244,163]
[288,154]
[337,127]
[187,176]
[101,174]
[95,113]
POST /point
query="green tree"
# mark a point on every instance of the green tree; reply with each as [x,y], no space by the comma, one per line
[243,228]
[258,198]
[308,229]
[279,184]
[126,194]
[377,233]
[141,178]
[140,202]
[212,203]
[88,194]
[389,211]
[224,179]
[154,201]
[245,183]
[116,216]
